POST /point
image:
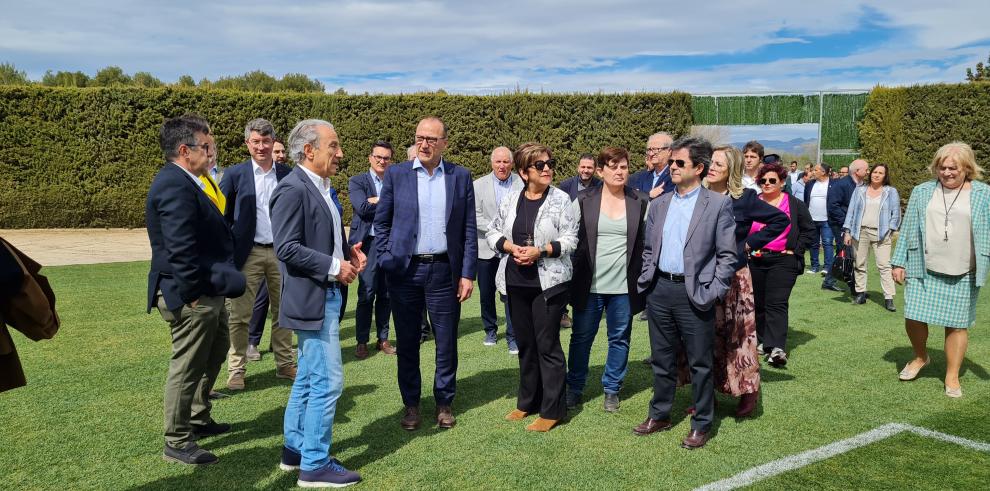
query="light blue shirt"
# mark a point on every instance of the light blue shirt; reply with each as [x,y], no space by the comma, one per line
[378,191]
[431,191]
[656,177]
[675,229]
[502,188]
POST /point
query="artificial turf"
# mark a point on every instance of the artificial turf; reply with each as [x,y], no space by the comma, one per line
[91,416]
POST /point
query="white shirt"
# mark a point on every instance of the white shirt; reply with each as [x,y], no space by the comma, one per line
[817,205]
[750,182]
[338,252]
[264,186]
[198,181]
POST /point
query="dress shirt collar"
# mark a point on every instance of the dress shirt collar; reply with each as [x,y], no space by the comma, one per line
[691,194]
[322,183]
[258,171]
[198,181]
[374,177]
[419,165]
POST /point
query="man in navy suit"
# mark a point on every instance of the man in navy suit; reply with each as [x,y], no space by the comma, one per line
[584,179]
[315,264]
[655,180]
[428,247]
[364,190]
[248,187]
[192,270]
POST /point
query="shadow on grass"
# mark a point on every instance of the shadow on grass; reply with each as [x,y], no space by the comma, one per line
[249,466]
[899,357]
[797,338]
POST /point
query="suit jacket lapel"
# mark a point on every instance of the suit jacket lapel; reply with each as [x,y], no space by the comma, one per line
[301,174]
[448,179]
[664,206]
[699,211]
[592,212]
[632,224]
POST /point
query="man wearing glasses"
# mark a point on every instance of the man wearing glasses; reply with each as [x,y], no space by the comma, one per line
[364,190]
[427,244]
[248,187]
[191,273]
[655,178]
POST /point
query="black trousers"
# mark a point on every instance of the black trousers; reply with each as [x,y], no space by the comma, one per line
[672,318]
[372,296]
[773,280]
[256,328]
[542,368]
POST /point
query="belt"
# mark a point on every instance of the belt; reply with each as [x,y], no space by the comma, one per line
[432,258]
[268,245]
[767,253]
[676,278]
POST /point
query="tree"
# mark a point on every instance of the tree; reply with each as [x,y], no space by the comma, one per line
[298,82]
[64,79]
[109,77]
[982,73]
[10,75]
[185,81]
[145,79]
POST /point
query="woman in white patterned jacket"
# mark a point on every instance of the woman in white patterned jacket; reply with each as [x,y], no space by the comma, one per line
[536,229]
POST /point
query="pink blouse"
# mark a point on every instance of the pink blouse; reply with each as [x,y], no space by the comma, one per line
[780,243]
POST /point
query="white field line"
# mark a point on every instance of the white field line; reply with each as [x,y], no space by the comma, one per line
[803,459]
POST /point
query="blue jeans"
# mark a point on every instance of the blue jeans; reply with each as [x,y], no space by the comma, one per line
[823,234]
[618,322]
[319,382]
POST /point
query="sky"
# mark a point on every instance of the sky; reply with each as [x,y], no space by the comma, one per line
[384,46]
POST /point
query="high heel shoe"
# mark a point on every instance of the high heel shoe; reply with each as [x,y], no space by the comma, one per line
[908,374]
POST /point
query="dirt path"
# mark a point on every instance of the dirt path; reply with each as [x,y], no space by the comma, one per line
[56,247]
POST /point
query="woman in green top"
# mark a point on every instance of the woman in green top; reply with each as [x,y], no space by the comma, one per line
[607,263]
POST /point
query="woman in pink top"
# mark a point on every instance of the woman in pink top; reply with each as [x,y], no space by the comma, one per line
[776,266]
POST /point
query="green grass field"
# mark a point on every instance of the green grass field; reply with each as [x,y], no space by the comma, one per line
[91,416]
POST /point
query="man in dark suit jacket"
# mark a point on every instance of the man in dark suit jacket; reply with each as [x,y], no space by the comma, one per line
[192,270]
[248,187]
[428,247]
[688,262]
[364,189]
[837,203]
[655,180]
[584,179]
[315,263]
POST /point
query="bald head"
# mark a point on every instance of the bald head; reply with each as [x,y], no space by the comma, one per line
[858,170]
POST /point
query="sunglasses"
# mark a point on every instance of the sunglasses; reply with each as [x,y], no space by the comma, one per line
[540,165]
[766,180]
[680,163]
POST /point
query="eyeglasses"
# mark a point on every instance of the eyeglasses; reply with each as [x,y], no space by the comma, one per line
[653,150]
[680,163]
[265,142]
[204,146]
[432,140]
[381,159]
[540,165]
[766,180]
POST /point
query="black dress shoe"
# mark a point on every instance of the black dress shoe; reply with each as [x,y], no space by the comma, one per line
[695,439]
[192,455]
[889,305]
[860,299]
[410,420]
[832,287]
[210,429]
[652,426]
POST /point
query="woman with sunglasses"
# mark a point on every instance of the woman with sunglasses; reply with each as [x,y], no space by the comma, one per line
[874,214]
[607,263]
[737,366]
[537,230]
[776,266]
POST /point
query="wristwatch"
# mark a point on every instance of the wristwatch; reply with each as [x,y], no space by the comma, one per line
[543,252]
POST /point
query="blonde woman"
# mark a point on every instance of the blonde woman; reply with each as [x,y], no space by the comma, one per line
[943,254]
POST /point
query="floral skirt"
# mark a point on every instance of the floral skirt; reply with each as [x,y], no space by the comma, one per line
[736,364]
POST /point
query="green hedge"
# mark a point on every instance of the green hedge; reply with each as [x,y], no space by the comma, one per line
[85,157]
[904,126]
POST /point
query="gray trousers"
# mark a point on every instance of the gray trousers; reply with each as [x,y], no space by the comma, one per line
[199,346]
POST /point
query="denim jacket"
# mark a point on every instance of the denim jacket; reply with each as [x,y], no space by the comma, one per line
[890,212]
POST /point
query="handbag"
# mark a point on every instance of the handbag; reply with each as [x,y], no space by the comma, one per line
[843,264]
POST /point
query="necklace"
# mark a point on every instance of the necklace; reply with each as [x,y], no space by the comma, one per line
[530,226]
[948,208]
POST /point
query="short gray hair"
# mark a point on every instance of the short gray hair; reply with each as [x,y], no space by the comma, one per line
[305,132]
[507,149]
[660,133]
[262,126]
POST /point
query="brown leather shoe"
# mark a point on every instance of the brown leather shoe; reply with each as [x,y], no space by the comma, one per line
[747,403]
[652,426]
[695,439]
[445,417]
[385,347]
[542,425]
[362,351]
[235,381]
[287,372]
[410,420]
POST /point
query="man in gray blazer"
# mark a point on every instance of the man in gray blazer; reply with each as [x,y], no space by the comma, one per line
[688,262]
[315,263]
[489,192]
